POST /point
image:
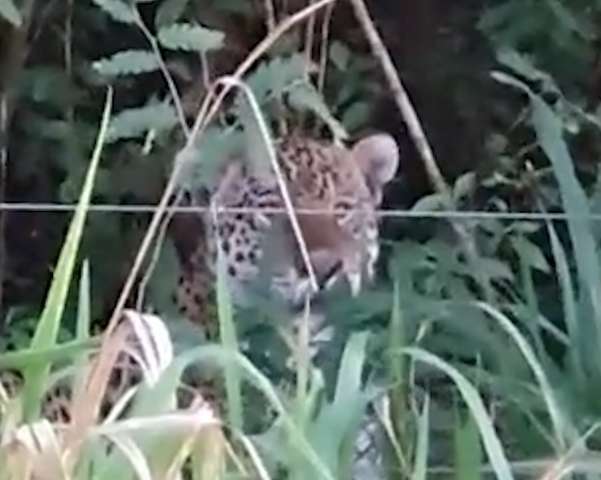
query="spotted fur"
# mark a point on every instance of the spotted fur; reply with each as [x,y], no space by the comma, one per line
[259,248]
[260,251]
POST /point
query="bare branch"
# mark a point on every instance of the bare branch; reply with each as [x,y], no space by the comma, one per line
[269,16]
[400,96]
[323,54]
[101,368]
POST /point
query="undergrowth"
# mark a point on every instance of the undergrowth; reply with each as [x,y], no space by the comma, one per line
[466,360]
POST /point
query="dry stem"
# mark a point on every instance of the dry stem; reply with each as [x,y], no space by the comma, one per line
[101,368]
[156,254]
[165,71]
[400,96]
[298,234]
[417,134]
[3,172]
[309,39]
[269,16]
[254,55]
[323,54]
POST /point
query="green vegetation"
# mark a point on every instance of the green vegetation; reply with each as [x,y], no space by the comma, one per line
[475,354]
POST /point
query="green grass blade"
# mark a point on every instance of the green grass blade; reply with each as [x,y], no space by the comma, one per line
[82,331]
[570,308]
[334,430]
[549,132]
[564,431]
[398,373]
[65,351]
[230,343]
[217,355]
[47,330]
[468,450]
[423,432]
[470,395]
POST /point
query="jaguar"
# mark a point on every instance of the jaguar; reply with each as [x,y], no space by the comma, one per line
[335,193]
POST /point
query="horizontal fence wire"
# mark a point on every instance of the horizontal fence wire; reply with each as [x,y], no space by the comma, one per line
[384,213]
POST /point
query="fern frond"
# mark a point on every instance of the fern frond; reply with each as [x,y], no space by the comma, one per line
[136,122]
[189,37]
[118,10]
[10,12]
[127,62]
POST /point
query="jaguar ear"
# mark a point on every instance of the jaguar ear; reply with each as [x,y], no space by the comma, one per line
[378,159]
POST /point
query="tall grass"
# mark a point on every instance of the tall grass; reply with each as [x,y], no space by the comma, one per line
[538,420]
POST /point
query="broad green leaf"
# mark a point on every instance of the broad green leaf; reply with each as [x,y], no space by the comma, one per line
[127,62]
[189,37]
[10,12]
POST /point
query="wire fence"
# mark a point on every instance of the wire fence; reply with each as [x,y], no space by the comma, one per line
[384,213]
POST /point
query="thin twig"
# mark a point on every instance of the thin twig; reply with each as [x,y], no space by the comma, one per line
[155,222]
[323,54]
[400,96]
[156,254]
[269,15]
[382,213]
[3,173]
[166,74]
[68,53]
[205,71]
[255,54]
[309,40]
[418,135]
[101,368]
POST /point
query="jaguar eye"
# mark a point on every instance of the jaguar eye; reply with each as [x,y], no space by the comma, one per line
[343,205]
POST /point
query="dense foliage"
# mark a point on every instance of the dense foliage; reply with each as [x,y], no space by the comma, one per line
[477,349]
